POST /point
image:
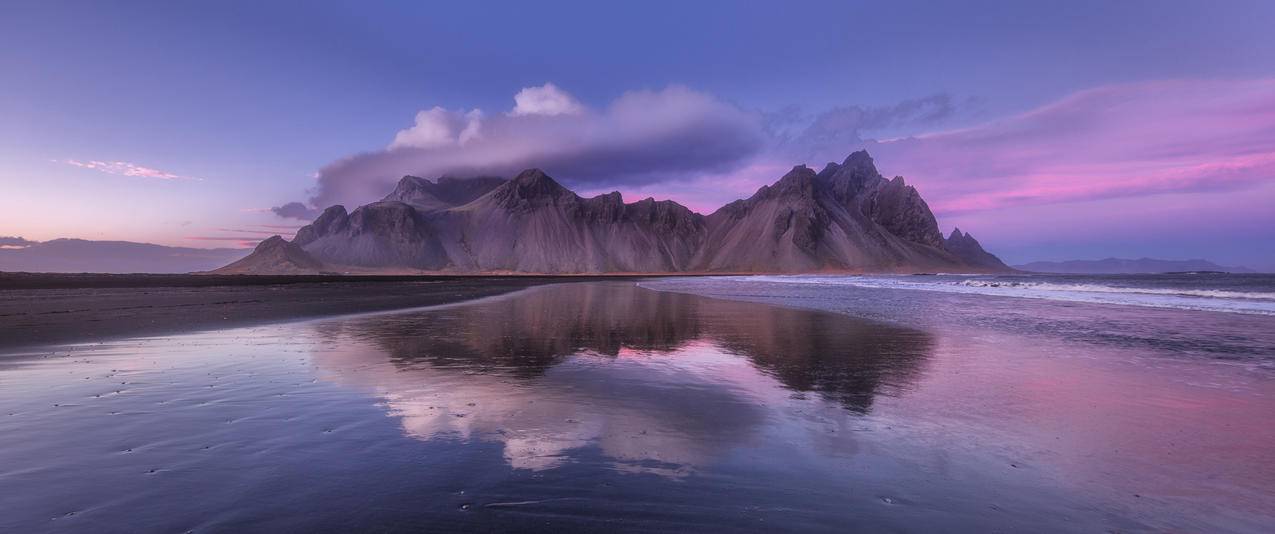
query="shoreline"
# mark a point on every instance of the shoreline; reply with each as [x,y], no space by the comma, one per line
[43,310]
[35,280]
[1226,338]
[1055,430]
[27,280]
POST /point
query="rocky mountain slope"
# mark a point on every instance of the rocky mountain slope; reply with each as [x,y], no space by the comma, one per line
[275,255]
[447,192]
[846,218]
[965,247]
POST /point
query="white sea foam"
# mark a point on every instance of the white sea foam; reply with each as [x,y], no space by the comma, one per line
[1203,299]
[1099,288]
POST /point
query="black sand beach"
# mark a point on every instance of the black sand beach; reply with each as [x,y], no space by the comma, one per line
[61,308]
[627,406]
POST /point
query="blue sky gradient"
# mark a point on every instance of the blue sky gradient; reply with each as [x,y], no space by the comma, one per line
[247,101]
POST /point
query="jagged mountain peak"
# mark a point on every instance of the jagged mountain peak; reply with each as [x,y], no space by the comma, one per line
[270,242]
[443,193]
[847,217]
[614,197]
[536,178]
[799,172]
[860,160]
[800,181]
[965,238]
[829,170]
[968,249]
[417,192]
[332,220]
[413,181]
[663,211]
[854,175]
[532,185]
[332,211]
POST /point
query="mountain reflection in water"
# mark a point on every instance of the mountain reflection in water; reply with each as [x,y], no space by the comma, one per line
[603,406]
[659,382]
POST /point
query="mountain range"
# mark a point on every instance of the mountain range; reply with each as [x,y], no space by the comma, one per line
[1127,266]
[846,217]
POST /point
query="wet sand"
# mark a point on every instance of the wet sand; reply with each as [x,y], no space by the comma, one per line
[60,308]
[607,406]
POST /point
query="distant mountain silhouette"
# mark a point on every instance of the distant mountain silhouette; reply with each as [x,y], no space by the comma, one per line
[1127,266]
[845,218]
[83,256]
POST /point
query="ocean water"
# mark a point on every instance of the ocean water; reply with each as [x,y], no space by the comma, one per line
[1219,292]
[772,406]
[1212,316]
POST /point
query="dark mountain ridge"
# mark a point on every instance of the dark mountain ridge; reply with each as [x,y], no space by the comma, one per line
[845,218]
[447,192]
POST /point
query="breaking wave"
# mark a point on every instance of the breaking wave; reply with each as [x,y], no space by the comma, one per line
[1098,288]
[1148,291]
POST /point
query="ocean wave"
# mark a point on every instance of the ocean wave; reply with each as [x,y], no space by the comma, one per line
[1197,299]
[1099,288]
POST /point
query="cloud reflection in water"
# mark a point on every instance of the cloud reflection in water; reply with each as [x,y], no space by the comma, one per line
[657,382]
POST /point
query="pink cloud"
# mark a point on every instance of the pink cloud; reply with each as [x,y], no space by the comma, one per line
[124,168]
[240,240]
[249,235]
[215,238]
[1132,140]
[267,232]
[1114,141]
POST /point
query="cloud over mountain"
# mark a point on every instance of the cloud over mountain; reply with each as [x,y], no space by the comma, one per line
[438,127]
[1131,143]
[640,137]
[547,99]
[827,134]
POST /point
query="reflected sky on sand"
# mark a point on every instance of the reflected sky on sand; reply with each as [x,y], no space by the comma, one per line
[604,405]
[658,382]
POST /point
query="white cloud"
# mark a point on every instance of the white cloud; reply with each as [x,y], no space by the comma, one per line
[640,137]
[547,100]
[473,127]
[124,168]
[438,127]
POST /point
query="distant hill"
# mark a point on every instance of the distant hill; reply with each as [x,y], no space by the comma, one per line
[1126,266]
[83,256]
[845,218]
[277,256]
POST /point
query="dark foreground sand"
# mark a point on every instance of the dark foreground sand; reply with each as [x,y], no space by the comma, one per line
[39,309]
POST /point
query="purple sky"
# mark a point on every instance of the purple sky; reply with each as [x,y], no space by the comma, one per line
[1050,132]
